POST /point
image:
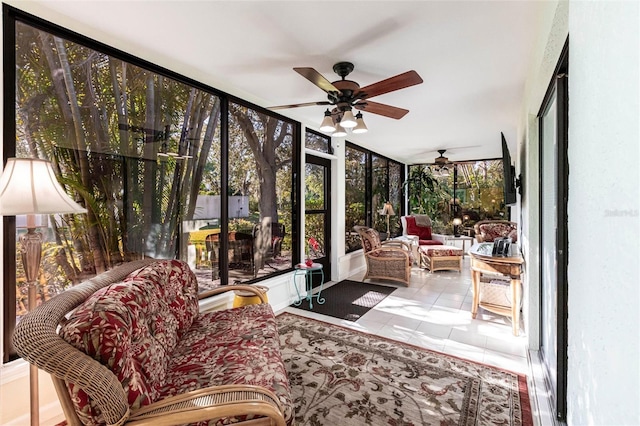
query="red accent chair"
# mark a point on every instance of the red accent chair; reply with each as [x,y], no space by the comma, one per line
[425,237]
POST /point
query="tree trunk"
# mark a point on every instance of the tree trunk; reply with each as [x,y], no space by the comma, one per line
[265,158]
[203,155]
[81,152]
[172,215]
[149,179]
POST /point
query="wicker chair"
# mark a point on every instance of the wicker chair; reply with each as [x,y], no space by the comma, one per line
[387,260]
[488,230]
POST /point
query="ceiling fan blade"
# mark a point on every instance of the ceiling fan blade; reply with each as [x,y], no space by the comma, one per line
[400,81]
[451,150]
[316,78]
[300,105]
[381,109]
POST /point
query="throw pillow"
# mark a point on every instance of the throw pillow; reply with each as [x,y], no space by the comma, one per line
[423,232]
[412,228]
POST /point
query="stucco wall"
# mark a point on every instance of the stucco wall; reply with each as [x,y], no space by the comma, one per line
[604,283]
[554,29]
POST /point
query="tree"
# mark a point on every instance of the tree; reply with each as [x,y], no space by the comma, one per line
[265,135]
[102,123]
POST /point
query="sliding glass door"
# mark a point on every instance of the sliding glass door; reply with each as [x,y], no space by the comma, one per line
[553,237]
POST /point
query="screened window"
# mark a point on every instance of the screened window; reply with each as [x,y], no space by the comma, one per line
[260,179]
[396,174]
[355,194]
[371,181]
[472,191]
[165,166]
[317,142]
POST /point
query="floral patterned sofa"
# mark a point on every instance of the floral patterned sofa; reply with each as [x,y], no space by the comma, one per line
[132,347]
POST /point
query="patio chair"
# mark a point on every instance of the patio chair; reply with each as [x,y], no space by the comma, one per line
[387,260]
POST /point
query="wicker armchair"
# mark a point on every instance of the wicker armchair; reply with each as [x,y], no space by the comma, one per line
[387,260]
[488,230]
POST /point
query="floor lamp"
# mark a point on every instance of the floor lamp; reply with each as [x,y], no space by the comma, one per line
[29,187]
[387,211]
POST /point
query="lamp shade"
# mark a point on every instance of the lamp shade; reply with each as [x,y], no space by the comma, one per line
[457,221]
[29,186]
[360,127]
[340,131]
[327,123]
[348,120]
[387,210]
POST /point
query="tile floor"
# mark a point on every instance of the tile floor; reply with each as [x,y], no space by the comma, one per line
[435,312]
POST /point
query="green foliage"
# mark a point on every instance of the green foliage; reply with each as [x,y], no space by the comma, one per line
[103,122]
[241,225]
[425,192]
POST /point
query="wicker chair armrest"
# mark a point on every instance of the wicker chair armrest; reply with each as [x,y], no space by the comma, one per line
[372,253]
[211,403]
[398,243]
[37,341]
[226,288]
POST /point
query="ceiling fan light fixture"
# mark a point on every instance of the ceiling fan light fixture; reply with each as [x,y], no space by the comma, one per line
[348,120]
[360,126]
[340,131]
[327,123]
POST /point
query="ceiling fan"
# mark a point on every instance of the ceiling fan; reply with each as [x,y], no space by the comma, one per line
[442,160]
[440,164]
[347,94]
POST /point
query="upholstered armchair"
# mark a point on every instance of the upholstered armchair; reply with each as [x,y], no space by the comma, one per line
[489,230]
[419,225]
[387,260]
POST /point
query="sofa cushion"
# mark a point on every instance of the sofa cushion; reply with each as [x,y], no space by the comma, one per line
[423,232]
[370,240]
[491,231]
[441,250]
[429,243]
[233,346]
[132,327]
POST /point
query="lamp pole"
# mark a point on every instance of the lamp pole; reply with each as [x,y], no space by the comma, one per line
[28,186]
[31,254]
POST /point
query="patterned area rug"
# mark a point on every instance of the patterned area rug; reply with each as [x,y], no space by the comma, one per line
[343,377]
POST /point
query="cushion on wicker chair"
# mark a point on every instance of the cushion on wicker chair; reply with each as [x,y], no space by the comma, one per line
[425,237]
[487,231]
[132,334]
[370,239]
[439,251]
[233,346]
[147,330]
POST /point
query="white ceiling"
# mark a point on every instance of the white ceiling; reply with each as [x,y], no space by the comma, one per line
[473,57]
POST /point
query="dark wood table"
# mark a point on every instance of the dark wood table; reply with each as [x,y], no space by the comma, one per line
[483,262]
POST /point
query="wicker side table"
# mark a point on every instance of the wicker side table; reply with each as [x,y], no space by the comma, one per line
[437,258]
[482,262]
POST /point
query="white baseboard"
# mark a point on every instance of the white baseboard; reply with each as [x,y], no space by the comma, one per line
[50,415]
